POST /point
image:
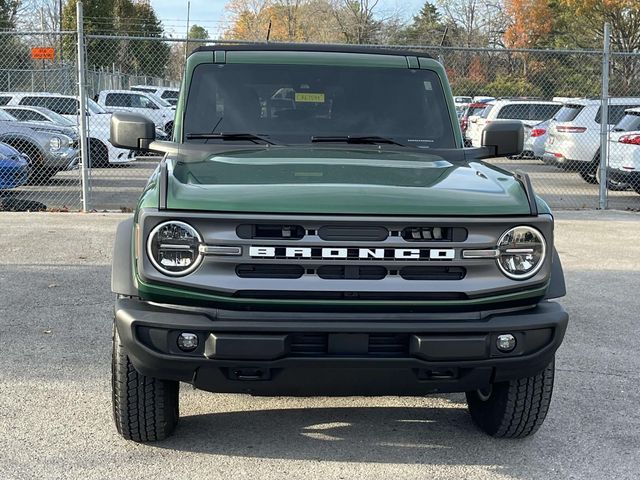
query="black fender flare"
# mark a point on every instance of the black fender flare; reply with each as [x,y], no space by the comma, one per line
[557,287]
[122,279]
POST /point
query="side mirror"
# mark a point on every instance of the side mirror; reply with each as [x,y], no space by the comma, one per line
[504,138]
[130,130]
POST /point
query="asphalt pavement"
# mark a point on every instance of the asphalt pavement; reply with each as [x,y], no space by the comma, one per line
[55,405]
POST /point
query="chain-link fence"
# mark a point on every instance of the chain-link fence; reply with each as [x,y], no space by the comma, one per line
[556,94]
[558,97]
[39,149]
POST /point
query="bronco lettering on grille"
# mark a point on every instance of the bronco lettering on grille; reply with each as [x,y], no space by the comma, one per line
[344,253]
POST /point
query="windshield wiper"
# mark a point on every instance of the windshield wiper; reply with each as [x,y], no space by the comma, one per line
[253,137]
[362,139]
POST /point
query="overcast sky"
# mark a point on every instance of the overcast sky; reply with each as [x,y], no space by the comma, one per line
[211,14]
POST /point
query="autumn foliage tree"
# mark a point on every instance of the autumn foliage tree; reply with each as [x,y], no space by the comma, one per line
[531,23]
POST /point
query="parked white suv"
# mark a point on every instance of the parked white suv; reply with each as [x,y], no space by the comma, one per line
[573,141]
[169,94]
[101,151]
[529,112]
[156,109]
[624,151]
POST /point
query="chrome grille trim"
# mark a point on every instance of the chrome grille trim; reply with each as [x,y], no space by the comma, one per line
[220,250]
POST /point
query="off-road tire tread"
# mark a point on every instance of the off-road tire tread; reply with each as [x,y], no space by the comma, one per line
[516,408]
[145,409]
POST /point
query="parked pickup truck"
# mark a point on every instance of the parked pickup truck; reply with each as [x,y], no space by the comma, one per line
[341,242]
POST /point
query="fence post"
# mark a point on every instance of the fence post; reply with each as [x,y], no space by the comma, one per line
[82,97]
[604,118]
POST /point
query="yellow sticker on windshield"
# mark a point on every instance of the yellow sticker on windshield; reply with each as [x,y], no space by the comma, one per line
[309,97]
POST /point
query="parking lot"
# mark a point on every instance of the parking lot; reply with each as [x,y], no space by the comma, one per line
[119,188]
[55,417]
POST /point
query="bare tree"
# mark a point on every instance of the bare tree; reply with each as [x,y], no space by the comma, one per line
[475,22]
[37,15]
[357,20]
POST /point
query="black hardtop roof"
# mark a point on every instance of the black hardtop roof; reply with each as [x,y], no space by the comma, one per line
[313,47]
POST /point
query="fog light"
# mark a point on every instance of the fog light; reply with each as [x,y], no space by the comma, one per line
[506,342]
[187,342]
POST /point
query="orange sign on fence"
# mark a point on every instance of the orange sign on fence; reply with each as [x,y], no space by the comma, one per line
[43,53]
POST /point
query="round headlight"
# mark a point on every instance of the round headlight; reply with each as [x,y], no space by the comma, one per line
[55,143]
[173,248]
[522,251]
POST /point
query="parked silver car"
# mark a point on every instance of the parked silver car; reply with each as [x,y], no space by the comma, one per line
[50,148]
[27,113]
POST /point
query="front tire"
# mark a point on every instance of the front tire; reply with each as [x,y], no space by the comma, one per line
[98,154]
[612,185]
[145,409]
[513,409]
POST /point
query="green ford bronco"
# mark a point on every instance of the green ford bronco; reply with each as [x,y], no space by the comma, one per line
[316,227]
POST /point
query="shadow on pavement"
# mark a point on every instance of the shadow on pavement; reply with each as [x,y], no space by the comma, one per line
[378,435]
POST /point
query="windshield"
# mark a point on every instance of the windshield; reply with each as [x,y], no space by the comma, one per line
[6,117]
[474,110]
[629,123]
[295,104]
[94,107]
[143,89]
[568,113]
[170,94]
[486,111]
[59,119]
[158,100]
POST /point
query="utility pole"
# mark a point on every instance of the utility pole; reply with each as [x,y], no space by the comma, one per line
[186,44]
[60,29]
[604,119]
[82,98]
[44,65]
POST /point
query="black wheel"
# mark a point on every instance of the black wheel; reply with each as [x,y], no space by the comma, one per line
[588,174]
[145,409]
[98,154]
[38,173]
[168,128]
[513,409]
[588,171]
[40,176]
[612,184]
[590,178]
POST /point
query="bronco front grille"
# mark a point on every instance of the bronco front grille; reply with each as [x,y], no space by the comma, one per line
[344,259]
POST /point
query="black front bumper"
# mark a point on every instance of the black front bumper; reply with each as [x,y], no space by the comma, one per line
[315,353]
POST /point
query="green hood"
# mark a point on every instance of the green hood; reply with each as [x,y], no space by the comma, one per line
[317,180]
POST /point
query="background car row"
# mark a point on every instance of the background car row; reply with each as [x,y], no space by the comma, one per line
[566,133]
[43,127]
[49,147]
